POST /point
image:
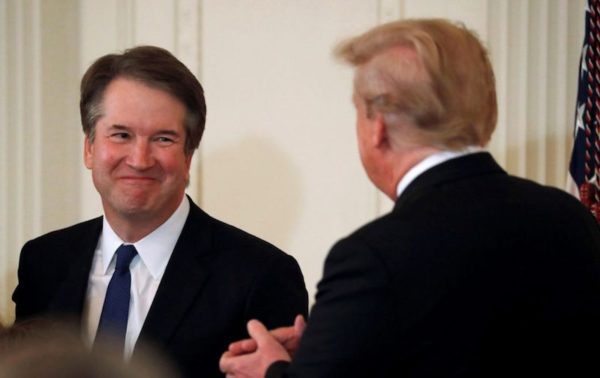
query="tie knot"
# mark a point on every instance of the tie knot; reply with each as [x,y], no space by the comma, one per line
[125,253]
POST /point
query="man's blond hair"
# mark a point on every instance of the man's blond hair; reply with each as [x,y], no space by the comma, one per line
[444,85]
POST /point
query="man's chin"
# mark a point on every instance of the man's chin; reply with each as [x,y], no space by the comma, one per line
[133,208]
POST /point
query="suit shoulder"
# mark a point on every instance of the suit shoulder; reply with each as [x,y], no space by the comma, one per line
[67,235]
[228,234]
[227,238]
[367,240]
[548,199]
[373,229]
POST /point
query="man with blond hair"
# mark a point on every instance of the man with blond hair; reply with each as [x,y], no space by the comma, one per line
[474,273]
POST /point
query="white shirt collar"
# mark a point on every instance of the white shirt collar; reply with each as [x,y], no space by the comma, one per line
[154,249]
[430,162]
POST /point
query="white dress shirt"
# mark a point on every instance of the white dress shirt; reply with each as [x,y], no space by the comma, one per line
[147,268]
[430,162]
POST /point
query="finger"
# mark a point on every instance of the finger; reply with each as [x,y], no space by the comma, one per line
[283,334]
[230,363]
[299,325]
[235,347]
[225,362]
[249,345]
[242,346]
[258,332]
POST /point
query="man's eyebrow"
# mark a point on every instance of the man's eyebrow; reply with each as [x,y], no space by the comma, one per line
[163,131]
[118,127]
[168,131]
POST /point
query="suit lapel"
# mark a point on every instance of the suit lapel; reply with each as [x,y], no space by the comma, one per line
[183,279]
[454,169]
[70,297]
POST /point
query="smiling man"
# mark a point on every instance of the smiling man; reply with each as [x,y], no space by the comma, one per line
[137,157]
[155,268]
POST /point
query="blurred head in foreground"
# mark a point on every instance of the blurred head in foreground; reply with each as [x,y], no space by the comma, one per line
[55,350]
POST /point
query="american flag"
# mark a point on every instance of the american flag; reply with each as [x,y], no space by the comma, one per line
[585,159]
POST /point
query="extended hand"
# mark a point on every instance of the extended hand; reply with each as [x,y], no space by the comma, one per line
[254,365]
[288,337]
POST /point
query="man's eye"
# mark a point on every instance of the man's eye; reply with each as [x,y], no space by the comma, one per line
[164,140]
[120,136]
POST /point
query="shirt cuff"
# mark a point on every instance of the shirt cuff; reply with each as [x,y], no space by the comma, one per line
[277,369]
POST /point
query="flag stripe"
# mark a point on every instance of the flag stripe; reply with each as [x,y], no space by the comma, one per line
[585,158]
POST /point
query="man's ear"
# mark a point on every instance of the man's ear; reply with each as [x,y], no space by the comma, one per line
[188,163]
[88,152]
[380,138]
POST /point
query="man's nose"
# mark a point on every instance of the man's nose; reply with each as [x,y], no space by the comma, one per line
[140,156]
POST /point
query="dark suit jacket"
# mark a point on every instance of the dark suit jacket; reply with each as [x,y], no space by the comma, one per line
[473,274]
[217,279]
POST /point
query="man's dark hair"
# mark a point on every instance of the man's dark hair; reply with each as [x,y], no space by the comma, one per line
[152,66]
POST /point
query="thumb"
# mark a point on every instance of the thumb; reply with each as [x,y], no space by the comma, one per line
[258,332]
[299,325]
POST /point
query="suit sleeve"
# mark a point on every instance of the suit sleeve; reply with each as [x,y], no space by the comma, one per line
[23,296]
[348,323]
[279,293]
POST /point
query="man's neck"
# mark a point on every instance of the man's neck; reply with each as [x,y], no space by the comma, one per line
[404,162]
[134,227]
[429,162]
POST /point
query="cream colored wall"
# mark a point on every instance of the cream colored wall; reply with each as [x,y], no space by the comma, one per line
[278,158]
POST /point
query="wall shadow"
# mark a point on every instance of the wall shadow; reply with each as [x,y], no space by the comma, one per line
[253,184]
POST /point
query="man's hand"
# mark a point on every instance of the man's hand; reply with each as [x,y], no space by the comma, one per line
[254,365]
[288,337]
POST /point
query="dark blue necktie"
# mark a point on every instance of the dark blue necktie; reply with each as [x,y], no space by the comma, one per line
[113,320]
